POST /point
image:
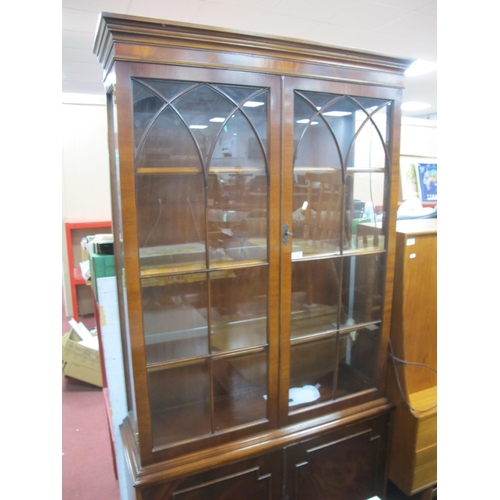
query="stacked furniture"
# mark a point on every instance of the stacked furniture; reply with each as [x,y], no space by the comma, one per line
[413,376]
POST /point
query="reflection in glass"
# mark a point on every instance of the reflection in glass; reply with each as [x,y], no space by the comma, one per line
[239,389]
[366,209]
[338,180]
[176,148]
[180,124]
[362,279]
[197,108]
[309,131]
[313,364]
[315,292]
[358,360]
[238,308]
[317,222]
[175,318]
[180,402]
[201,159]
[237,187]
[171,221]
[371,132]
[352,131]
[212,141]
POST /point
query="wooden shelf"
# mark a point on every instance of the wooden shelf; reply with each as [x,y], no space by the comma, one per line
[76,229]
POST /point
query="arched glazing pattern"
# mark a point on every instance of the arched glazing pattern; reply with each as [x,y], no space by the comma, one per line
[201,162]
[338,257]
[212,141]
[340,161]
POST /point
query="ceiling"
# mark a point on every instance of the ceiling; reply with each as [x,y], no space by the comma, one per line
[392,27]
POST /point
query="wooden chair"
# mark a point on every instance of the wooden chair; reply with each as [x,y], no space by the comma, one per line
[323,217]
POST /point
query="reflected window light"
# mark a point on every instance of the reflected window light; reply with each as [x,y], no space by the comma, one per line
[217,119]
[305,120]
[198,127]
[337,113]
[253,104]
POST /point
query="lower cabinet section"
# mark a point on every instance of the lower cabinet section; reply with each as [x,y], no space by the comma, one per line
[346,463]
[251,479]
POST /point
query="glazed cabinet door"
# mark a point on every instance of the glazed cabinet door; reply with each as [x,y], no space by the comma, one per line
[336,196]
[202,276]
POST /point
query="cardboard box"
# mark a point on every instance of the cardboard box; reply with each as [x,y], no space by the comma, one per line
[102,244]
[80,359]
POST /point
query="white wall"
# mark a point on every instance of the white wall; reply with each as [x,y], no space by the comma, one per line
[85,167]
[418,137]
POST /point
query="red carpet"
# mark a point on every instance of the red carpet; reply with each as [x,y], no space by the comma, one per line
[87,464]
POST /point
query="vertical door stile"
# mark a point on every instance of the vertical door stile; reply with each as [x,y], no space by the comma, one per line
[206,167]
[286,166]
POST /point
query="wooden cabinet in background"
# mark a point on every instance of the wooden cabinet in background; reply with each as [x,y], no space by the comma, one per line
[255,319]
[413,450]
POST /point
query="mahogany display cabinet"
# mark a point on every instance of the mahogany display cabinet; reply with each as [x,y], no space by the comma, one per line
[255,316]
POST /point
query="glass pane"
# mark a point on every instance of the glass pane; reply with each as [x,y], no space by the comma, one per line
[238,186]
[180,402]
[311,372]
[168,89]
[238,146]
[202,108]
[369,151]
[238,227]
[239,390]
[317,221]
[171,222]
[315,292]
[362,281]
[255,109]
[147,102]
[356,125]
[358,360]
[365,210]
[168,143]
[238,308]
[146,106]
[175,317]
[237,93]
[310,132]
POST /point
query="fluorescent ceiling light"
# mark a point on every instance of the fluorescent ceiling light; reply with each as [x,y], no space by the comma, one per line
[305,120]
[200,127]
[337,113]
[420,67]
[253,104]
[217,119]
[414,106]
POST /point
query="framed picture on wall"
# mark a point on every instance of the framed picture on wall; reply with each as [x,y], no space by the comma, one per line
[427,179]
[411,181]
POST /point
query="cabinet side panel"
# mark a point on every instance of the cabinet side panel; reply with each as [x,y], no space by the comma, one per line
[420,323]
